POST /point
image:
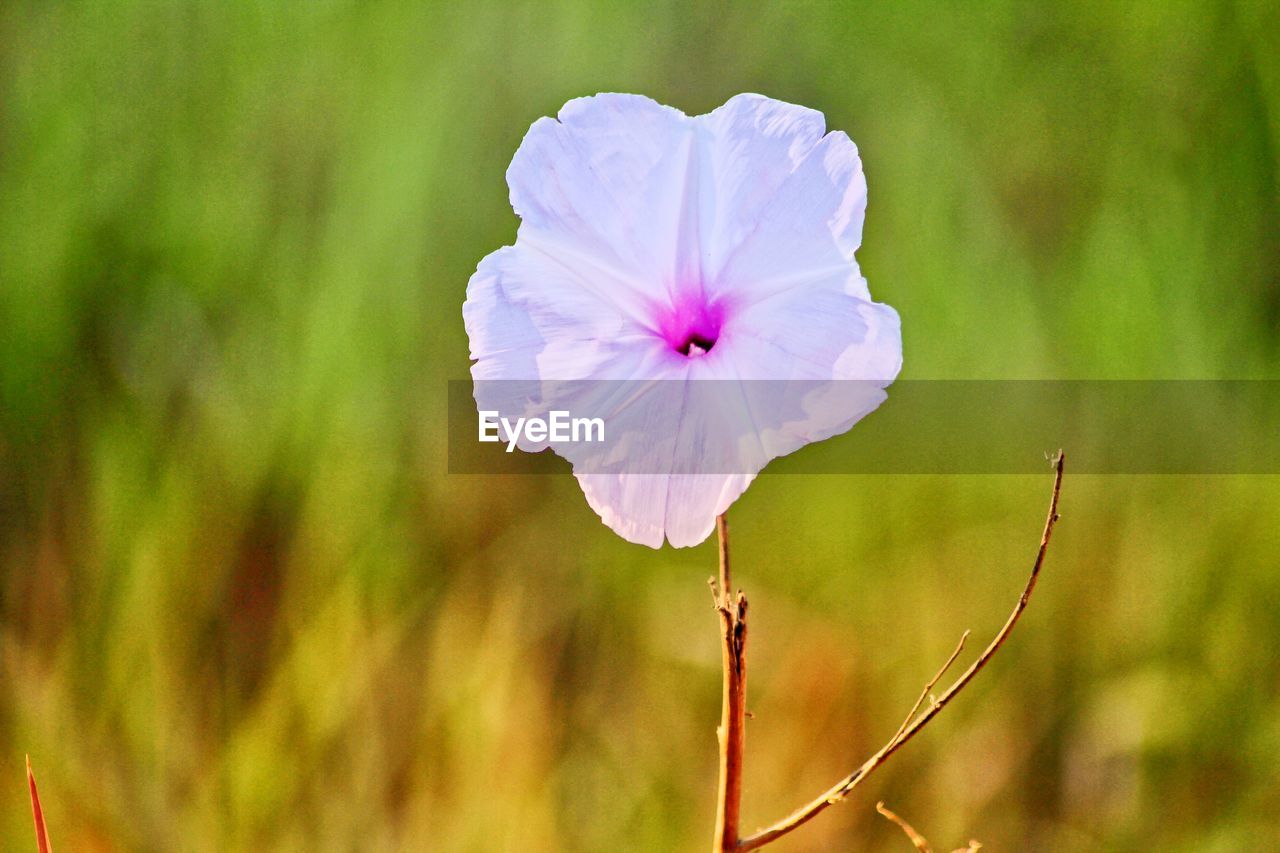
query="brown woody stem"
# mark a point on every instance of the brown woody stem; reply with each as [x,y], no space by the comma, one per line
[733,631]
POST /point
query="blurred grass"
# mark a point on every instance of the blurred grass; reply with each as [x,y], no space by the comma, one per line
[243,607]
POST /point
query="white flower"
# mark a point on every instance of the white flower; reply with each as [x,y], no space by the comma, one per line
[697,254]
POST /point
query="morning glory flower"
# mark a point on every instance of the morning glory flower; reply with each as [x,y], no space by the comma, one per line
[691,281]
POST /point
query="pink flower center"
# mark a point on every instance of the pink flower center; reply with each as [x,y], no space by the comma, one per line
[691,325]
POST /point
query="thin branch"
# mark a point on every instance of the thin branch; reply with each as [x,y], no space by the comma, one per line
[919,841]
[916,838]
[841,789]
[924,694]
[733,631]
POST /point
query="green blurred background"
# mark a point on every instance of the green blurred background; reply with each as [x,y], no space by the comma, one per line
[243,606]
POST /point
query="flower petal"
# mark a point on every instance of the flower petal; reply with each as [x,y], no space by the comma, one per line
[754,144]
[606,185]
[822,330]
[504,340]
[530,315]
[643,508]
[808,229]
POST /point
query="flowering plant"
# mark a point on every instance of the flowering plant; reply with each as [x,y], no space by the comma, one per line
[698,256]
[659,255]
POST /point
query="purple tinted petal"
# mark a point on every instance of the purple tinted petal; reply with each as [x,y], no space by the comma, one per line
[606,185]
[809,228]
[753,143]
[643,508]
[823,331]
[530,315]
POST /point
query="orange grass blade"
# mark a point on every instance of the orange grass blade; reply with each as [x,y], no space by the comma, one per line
[42,834]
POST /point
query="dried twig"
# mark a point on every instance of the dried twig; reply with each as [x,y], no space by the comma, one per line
[920,842]
[924,694]
[916,838]
[914,723]
[733,630]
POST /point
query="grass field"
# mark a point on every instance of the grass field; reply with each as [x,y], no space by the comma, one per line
[243,606]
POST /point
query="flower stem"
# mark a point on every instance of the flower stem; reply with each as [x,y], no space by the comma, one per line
[733,629]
